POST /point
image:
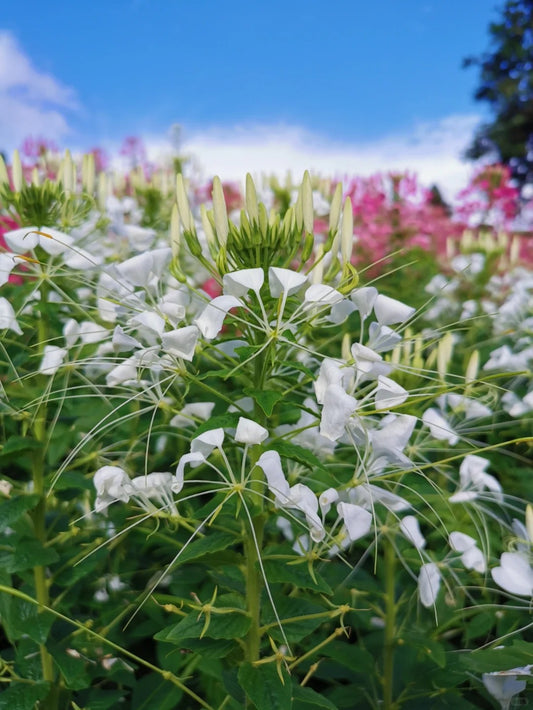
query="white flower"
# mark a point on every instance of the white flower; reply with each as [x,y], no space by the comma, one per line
[143,268]
[270,462]
[112,484]
[122,373]
[364,299]
[181,342]
[51,240]
[330,374]
[210,321]
[248,432]
[428,584]
[440,429]
[193,459]
[338,408]
[367,495]
[238,283]
[504,685]
[472,557]
[389,311]
[357,520]
[411,529]
[207,441]
[474,480]
[284,281]
[365,358]
[7,317]
[52,359]
[7,264]
[514,574]
[326,499]
[192,410]
[389,393]
[322,295]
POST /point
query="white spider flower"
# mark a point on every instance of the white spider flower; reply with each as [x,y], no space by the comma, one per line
[389,393]
[514,574]
[337,410]
[112,484]
[365,358]
[472,557]
[7,317]
[429,580]
[238,283]
[284,281]
[210,320]
[382,338]
[122,341]
[181,342]
[302,498]
[142,269]
[122,373]
[7,264]
[249,432]
[410,528]
[53,357]
[367,495]
[474,480]
[390,311]
[438,426]
[392,437]
[357,520]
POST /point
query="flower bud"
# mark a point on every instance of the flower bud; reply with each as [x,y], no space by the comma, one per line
[251,199]
[220,211]
[347,232]
[18,177]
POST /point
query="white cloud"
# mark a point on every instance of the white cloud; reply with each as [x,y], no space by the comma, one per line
[432,150]
[31,101]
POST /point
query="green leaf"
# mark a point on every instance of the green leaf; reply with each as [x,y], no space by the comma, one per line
[305,698]
[488,660]
[23,696]
[14,508]
[203,546]
[153,691]
[25,619]
[425,644]
[28,554]
[293,608]
[104,699]
[209,648]
[226,421]
[296,574]
[221,626]
[266,399]
[265,688]
[297,453]
[73,670]
[18,444]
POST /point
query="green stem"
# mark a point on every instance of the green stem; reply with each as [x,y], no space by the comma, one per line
[254,583]
[390,626]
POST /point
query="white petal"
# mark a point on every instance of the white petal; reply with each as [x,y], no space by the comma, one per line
[411,529]
[364,299]
[193,459]
[122,341]
[439,427]
[207,441]
[7,264]
[124,372]
[249,432]
[474,559]
[514,574]
[326,499]
[461,542]
[322,295]
[389,393]
[270,462]
[337,410]
[428,584]
[52,359]
[238,283]
[330,374]
[503,687]
[389,311]
[21,240]
[71,332]
[210,321]
[382,338]
[357,520]
[53,241]
[181,342]
[7,317]
[284,281]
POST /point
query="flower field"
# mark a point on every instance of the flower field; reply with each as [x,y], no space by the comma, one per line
[264,446]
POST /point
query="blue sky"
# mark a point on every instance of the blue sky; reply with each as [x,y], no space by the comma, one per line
[353,76]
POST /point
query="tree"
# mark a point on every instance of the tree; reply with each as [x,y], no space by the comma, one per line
[506,84]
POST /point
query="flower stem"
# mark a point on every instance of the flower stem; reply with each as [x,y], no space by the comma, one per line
[389,645]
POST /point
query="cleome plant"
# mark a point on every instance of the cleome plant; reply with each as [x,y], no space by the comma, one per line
[237,474]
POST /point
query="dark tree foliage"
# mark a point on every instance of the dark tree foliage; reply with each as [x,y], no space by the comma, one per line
[506,83]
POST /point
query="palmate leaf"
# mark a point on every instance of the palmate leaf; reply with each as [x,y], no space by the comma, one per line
[29,554]
[266,399]
[489,660]
[297,453]
[13,508]
[296,574]
[304,698]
